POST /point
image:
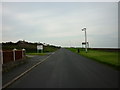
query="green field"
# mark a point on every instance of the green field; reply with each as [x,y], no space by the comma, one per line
[109,58]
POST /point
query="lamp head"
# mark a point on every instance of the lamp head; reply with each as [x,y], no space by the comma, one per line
[83,28]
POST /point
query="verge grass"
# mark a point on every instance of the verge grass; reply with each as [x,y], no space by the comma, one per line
[41,54]
[109,58]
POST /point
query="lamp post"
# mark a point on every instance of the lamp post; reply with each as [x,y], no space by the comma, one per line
[84,29]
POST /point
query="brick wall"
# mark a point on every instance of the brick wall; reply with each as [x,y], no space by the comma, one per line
[18,55]
[8,56]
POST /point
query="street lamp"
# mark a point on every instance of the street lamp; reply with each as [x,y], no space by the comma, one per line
[84,29]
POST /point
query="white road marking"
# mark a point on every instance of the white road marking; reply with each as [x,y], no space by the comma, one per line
[25,72]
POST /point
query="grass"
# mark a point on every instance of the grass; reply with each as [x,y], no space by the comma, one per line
[41,54]
[109,58]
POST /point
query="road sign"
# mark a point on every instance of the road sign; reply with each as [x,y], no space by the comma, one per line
[40,47]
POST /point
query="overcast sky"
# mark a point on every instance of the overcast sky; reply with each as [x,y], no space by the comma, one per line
[60,23]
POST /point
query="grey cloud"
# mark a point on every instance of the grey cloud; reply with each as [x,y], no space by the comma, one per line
[61,23]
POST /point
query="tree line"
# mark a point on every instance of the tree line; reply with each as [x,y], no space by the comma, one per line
[28,46]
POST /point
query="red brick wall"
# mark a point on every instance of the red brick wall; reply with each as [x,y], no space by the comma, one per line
[18,55]
[8,56]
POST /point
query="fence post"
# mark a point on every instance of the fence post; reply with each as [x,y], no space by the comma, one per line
[23,50]
[14,53]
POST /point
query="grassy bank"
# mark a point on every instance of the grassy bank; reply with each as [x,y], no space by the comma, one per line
[109,58]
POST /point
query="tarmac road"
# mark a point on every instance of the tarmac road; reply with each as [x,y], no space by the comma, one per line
[65,69]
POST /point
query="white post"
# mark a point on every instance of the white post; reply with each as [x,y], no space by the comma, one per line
[23,52]
[14,53]
[37,50]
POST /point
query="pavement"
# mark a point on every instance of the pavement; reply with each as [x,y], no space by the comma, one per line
[65,69]
[13,73]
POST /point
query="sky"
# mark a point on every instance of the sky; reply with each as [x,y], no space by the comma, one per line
[60,23]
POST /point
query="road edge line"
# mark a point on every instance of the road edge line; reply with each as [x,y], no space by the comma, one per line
[25,72]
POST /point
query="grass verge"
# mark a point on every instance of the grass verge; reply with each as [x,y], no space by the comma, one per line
[41,54]
[108,58]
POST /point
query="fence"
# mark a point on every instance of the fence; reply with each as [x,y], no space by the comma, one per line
[12,55]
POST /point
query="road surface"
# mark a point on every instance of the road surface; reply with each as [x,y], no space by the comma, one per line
[65,69]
